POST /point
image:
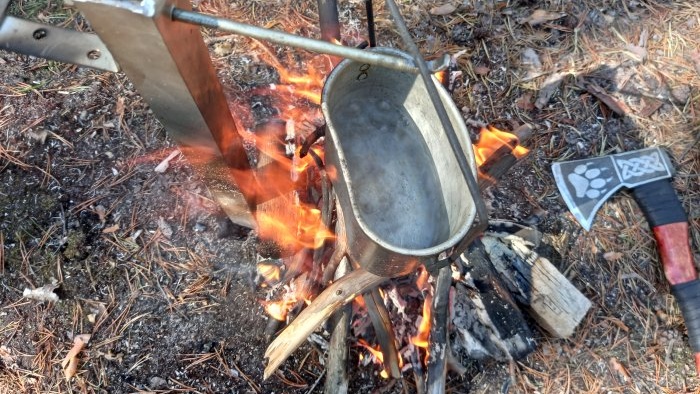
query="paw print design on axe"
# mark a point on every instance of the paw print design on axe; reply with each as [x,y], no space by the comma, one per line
[586,184]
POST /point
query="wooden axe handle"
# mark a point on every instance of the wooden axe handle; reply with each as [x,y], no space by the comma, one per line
[666,216]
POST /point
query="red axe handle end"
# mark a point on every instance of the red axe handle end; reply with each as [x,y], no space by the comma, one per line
[666,216]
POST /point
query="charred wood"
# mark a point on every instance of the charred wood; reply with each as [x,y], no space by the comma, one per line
[487,322]
[550,298]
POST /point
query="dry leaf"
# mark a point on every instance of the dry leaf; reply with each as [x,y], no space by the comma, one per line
[44,293]
[222,49]
[541,16]
[165,228]
[549,87]
[444,9]
[617,106]
[612,256]
[70,363]
[111,229]
[101,213]
[39,136]
[524,102]
[481,70]
[620,369]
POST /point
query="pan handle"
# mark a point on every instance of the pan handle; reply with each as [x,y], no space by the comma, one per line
[449,131]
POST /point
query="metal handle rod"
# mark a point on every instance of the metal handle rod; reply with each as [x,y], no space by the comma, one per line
[286,39]
[442,115]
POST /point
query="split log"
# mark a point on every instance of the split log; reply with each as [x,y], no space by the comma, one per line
[336,369]
[551,299]
[330,300]
[487,321]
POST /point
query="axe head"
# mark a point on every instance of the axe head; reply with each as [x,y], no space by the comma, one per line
[586,184]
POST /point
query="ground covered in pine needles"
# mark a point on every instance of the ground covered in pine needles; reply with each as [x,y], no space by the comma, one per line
[147,265]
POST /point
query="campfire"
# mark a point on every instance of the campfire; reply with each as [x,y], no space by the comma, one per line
[308,278]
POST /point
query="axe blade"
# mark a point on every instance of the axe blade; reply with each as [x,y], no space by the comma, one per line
[586,184]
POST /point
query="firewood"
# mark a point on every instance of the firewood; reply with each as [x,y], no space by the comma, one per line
[384,331]
[487,321]
[336,369]
[551,299]
[438,348]
[330,300]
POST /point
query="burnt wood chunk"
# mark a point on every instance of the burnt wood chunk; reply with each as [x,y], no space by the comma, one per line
[486,320]
[550,298]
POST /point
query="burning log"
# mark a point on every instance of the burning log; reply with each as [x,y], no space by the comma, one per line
[437,351]
[487,321]
[497,152]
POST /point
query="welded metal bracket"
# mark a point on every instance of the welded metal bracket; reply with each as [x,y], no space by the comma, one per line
[53,43]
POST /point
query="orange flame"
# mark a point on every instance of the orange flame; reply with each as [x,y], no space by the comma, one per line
[377,354]
[270,272]
[491,140]
[278,309]
[422,337]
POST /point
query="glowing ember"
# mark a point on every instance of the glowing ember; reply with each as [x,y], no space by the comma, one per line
[493,139]
[270,272]
[278,309]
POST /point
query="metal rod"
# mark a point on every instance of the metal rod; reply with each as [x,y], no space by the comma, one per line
[329,20]
[441,112]
[369,9]
[286,39]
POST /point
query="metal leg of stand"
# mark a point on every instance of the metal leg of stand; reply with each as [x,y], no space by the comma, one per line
[169,65]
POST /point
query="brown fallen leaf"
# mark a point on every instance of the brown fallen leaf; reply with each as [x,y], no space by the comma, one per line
[111,229]
[549,87]
[541,16]
[617,106]
[444,9]
[620,369]
[524,102]
[612,256]
[481,70]
[70,363]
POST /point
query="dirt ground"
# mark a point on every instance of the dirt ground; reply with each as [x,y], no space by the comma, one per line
[149,266]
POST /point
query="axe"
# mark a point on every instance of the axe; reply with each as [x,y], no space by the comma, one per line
[586,184]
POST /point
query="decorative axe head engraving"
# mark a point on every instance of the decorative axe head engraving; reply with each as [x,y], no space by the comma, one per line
[586,184]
